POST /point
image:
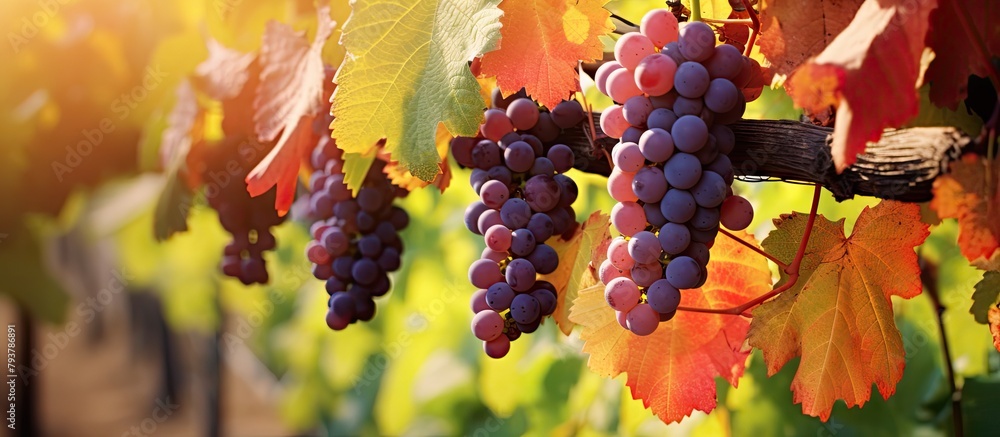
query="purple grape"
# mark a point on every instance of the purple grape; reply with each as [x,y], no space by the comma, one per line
[674,238]
[542,193]
[567,114]
[494,194]
[522,242]
[710,190]
[683,272]
[545,129]
[723,167]
[661,118]
[696,41]
[562,157]
[515,213]
[542,165]
[370,199]
[689,133]
[525,309]
[523,113]
[544,258]
[499,296]
[472,214]
[698,252]
[724,138]
[685,106]
[691,80]
[389,260]
[649,185]
[370,246]
[663,297]
[484,273]
[631,135]
[725,62]
[568,191]
[478,301]
[547,300]
[486,154]
[705,218]
[682,171]
[721,95]
[499,173]
[644,247]
[678,206]
[519,157]
[341,311]
[365,271]
[656,144]
[520,275]
[541,226]
[653,214]
[342,268]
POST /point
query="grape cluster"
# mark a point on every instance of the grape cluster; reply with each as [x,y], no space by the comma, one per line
[525,199]
[672,177]
[356,240]
[248,219]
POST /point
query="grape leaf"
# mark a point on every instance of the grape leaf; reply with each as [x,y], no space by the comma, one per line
[673,370]
[994,319]
[838,316]
[541,44]
[869,72]
[964,194]
[792,31]
[573,273]
[406,71]
[224,73]
[289,96]
[985,296]
[185,127]
[401,177]
[955,55]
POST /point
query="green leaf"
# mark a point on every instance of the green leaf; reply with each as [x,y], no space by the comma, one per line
[980,397]
[406,71]
[26,278]
[355,170]
[172,207]
[985,296]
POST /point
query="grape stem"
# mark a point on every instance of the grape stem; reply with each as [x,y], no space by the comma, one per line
[792,270]
[748,22]
[754,27]
[695,11]
[754,248]
[593,129]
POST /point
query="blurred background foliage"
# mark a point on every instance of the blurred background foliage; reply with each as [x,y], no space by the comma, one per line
[413,370]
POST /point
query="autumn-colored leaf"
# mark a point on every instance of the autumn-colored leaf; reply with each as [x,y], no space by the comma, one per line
[986,295]
[966,194]
[541,44]
[184,129]
[401,177]
[406,71]
[673,370]
[289,96]
[869,72]
[838,315]
[994,319]
[573,273]
[955,54]
[224,73]
[793,31]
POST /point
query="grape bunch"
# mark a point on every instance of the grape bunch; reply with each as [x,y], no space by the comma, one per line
[524,199]
[356,240]
[676,92]
[248,219]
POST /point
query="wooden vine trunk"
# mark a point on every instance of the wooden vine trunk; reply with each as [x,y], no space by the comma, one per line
[902,165]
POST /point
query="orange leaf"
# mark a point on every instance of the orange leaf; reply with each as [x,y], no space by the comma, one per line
[838,316]
[994,319]
[870,72]
[573,273]
[541,42]
[963,194]
[673,370]
[290,95]
[792,31]
[955,56]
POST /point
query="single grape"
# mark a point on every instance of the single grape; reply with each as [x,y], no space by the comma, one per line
[568,190]
[628,157]
[542,193]
[520,275]
[705,218]
[546,130]
[691,80]
[703,237]
[316,253]
[628,218]
[636,109]
[528,328]
[335,241]
[698,252]
[522,242]
[653,214]
[568,113]
[737,213]
[498,238]
[493,255]
[341,311]
[689,133]
[655,74]
[631,48]
[661,118]
[663,297]
[519,156]
[489,218]
[649,185]
[620,185]
[632,134]
[523,113]
[497,348]
[496,125]
[541,226]
[494,194]
[723,166]
[682,171]
[613,122]
[644,247]
[486,154]
[710,190]
[389,260]
[696,41]
[546,300]
[370,246]
[487,325]
[618,254]
[542,165]
[608,271]
[544,258]
[525,309]
[562,157]
[603,74]
[674,238]
[656,144]
[683,272]
[664,101]
[515,213]
[365,271]
[724,138]
[621,85]
[660,26]
[501,102]
[678,206]
[733,115]
[721,95]
[483,273]
[725,62]
[642,320]
[645,274]
[621,294]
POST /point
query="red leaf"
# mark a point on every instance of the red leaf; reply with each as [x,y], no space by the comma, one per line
[289,96]
[870,72]
[964,194]
[673,370]
[994,318]
[792,31]
[955,56]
